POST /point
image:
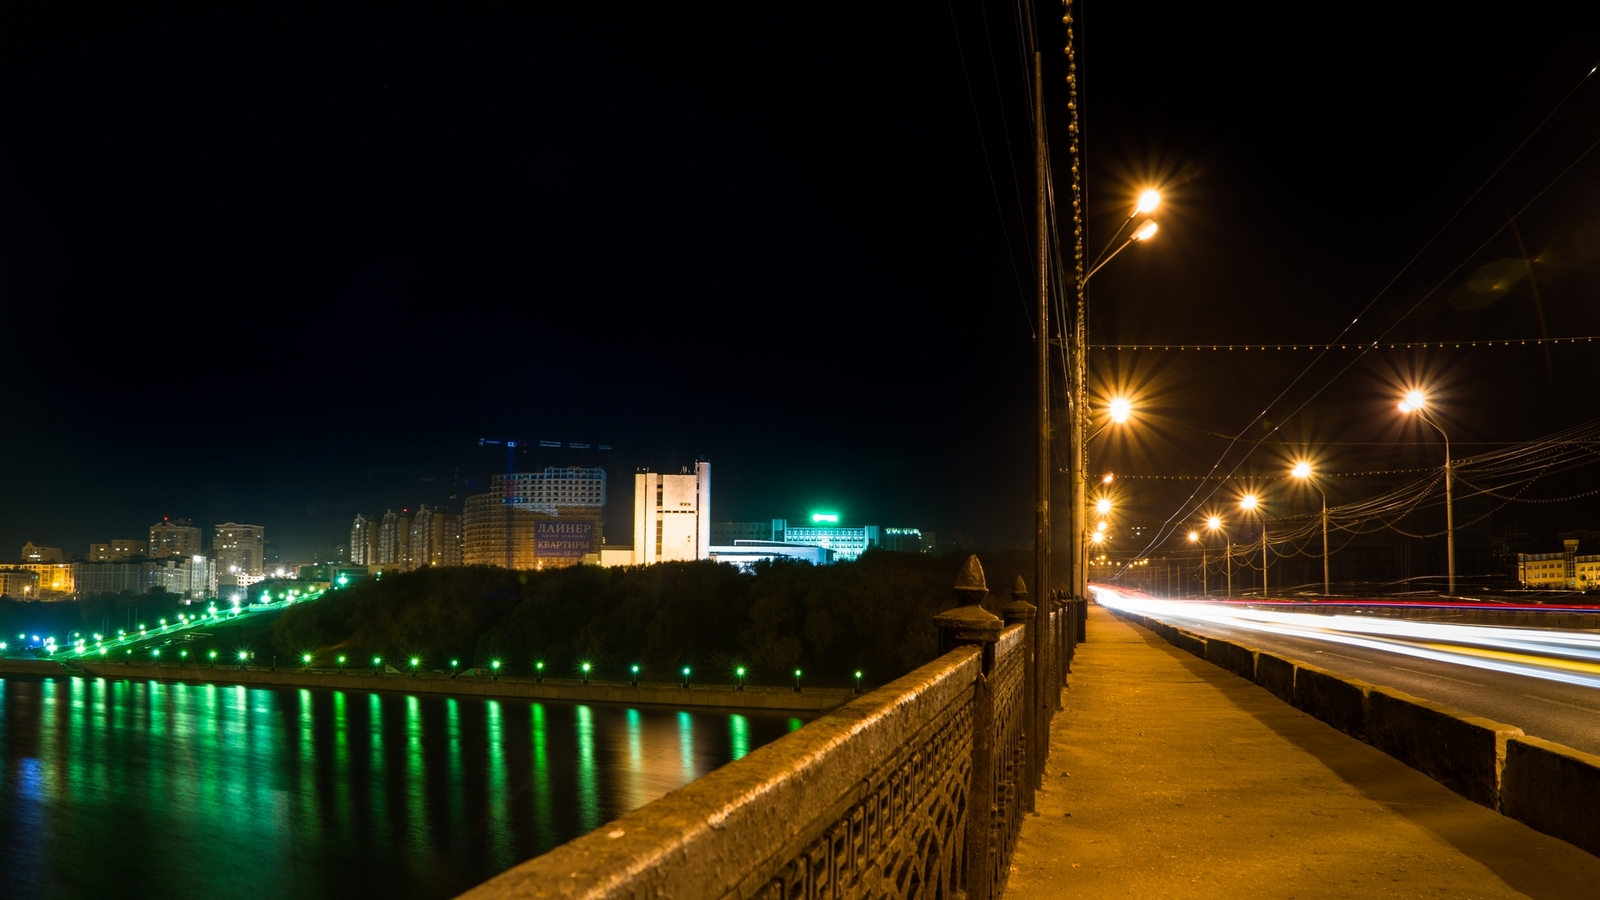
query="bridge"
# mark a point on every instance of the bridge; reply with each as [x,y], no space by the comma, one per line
[1175,770]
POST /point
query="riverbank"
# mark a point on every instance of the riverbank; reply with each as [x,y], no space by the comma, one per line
[816,700]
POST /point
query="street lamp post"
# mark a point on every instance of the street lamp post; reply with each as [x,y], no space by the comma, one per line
[1302,471]
[1194,538]
[1416,402]
[1214,523]
[1250,503]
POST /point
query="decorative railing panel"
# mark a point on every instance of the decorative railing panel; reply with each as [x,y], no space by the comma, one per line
[916,790]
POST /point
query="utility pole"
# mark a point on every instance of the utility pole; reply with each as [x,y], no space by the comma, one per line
[1045,697]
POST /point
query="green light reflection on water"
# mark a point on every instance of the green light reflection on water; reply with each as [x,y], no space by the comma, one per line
[588,782]
[341,766]
[686,746]
[416,780]
[542,811]
[636,775]
[457,792]
[377,793]
[310,800]
[739,735]
[500,822]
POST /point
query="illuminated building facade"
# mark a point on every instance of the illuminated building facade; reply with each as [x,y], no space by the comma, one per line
[1566,570]
[240,549]
[394,540]
[33,553]
[846,543]
[745,554]
[175,539]
[19,584]
[55,579]
[117,550]
[544,520]
[195,577]
[363,541]
[671,515]
[435,538]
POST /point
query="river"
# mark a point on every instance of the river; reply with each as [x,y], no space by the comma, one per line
[118,788]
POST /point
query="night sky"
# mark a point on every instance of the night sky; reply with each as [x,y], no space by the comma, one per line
[283,266]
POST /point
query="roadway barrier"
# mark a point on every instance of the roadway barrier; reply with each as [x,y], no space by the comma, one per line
[1550,787]
[1335,699]
[1553,788]
[1236,658]
[1464,753]
[1276,675]
[916,789]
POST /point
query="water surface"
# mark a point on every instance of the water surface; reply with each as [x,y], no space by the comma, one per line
[139,788]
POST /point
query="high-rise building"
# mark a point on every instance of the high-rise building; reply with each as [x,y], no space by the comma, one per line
[239,549]
[174,537]
[496,533]
[435,538]
[363,541]
[394,539]
[117,550]
[906,540]
[672,515]
[536,520]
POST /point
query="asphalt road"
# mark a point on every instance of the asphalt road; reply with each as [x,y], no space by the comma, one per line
[1565,713]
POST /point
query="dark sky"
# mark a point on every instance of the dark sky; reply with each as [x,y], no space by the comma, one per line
[282,266]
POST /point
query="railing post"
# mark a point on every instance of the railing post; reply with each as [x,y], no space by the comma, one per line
[971,624]
[1020,612]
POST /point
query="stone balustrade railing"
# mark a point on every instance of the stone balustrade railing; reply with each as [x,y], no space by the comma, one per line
[916,789]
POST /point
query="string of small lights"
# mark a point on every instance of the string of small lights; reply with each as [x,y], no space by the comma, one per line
[1398,345]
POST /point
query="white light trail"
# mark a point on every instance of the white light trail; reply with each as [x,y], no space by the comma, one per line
[1564,656]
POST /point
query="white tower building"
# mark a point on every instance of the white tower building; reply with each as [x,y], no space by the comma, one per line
[672,515]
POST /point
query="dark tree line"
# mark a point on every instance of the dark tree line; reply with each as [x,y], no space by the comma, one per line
[874,614]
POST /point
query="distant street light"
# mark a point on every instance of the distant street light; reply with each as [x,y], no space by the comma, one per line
[1214,523]
[1416,402]
[1302,471]
[1194,538]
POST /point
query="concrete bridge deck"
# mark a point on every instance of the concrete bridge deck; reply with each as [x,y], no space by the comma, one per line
[1171,777]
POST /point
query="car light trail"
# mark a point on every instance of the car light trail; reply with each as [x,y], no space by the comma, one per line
[1565,656]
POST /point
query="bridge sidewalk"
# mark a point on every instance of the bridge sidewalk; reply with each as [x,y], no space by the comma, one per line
[1170,777]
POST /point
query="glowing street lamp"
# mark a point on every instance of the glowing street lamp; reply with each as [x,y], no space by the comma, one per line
[242,657]
[1250,503]
[494,668]
[1415,402]
[634,671]
[1302,471]
[858,681]
[1148,201]
[1120,408]
[305,659]
[454,664]
[538,672]
[1103,506]
[585,667]
[341,665]
[414,663]
[1214,523]
[211,656]
[797,681]
[377,662]
[686,678]
[738,682]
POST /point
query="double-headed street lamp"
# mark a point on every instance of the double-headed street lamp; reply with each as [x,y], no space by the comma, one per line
[1416,402]
[1302,471]
[1119,409]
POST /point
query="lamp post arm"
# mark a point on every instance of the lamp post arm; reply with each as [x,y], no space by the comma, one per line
[1102,264]
[1097,260]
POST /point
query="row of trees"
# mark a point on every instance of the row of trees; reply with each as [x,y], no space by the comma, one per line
[874,614]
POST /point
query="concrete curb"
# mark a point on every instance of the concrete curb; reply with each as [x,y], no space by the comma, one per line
[1464,753]
[1552,788]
